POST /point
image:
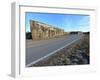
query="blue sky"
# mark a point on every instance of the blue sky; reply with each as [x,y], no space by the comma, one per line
[68,22]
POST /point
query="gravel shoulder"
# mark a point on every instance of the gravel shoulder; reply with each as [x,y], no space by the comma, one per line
[75,54]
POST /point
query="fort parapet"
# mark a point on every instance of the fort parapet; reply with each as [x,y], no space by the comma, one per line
[43,31]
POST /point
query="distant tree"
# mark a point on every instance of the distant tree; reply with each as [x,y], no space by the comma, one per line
[86,32]
[28,35]
[74,32]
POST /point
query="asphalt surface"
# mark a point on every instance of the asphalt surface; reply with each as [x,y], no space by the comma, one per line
[38,49]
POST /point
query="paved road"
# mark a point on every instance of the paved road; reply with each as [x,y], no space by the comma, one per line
[38,49]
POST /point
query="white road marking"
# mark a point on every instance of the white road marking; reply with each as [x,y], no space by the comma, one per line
[51,53]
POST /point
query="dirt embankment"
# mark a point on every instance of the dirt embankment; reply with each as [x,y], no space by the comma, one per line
[75,54]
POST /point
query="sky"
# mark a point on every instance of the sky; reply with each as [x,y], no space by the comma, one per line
[68,22]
